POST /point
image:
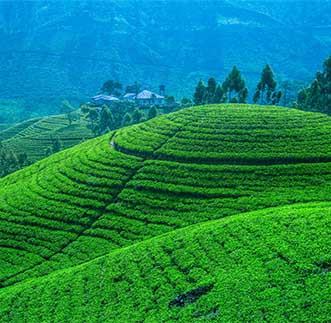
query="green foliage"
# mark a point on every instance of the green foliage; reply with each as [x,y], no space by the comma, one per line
[127,120]
[134,88]
[233,90]
[33,137]
[137,116]
[266,91]
[219,95]
[234,87]
[211,90]
[152,112]
[106,120]
[10,161]
[317,97]
[169,100]
[268,265]
[121,197]
[186,102]
[199,94]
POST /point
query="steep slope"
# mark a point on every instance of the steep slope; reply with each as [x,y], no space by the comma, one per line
[268,266]
[34,136]
[176,170]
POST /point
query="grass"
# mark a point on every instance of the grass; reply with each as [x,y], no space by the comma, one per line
[34,136]
[145,199]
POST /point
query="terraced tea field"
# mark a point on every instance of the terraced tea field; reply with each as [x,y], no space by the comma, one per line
[144,224]
[34,136]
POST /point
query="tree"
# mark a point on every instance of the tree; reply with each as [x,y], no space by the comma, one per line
[152,112]
[200,93]
[112,87]
[210,91]
[127,120]
[242,95]
[317,97]
[186,102]
[10,161]
[234,85]
[136,116]
[219,95]
[134,88]
[170,100]
[266,90]
[106,119]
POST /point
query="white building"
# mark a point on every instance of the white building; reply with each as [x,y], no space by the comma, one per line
[105,99]
[145,98]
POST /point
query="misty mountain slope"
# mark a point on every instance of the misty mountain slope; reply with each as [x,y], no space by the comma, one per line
[69,48]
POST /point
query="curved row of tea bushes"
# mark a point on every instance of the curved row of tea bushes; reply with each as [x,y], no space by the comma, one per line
[117,190]
[267,266]
[35,136]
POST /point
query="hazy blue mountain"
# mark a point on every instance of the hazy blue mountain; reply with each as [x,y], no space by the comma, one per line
[52,50]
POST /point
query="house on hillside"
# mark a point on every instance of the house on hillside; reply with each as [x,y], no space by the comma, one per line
[104,99]
[145,98]
[148,98]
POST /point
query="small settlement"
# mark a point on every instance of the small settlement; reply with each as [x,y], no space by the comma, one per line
[144,98]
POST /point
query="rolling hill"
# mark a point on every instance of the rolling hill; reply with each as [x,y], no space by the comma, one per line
[34,136]
[144,224]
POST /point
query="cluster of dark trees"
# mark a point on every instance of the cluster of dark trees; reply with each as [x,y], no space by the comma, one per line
[234,90]
[11,161]
[119,114]
[317,96]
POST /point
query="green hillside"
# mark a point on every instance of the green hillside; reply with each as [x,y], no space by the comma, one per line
[34,136]
[151,182]
[266,266]
[15,129]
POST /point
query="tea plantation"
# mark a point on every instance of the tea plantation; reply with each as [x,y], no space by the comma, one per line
[35,136]
[163,222]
